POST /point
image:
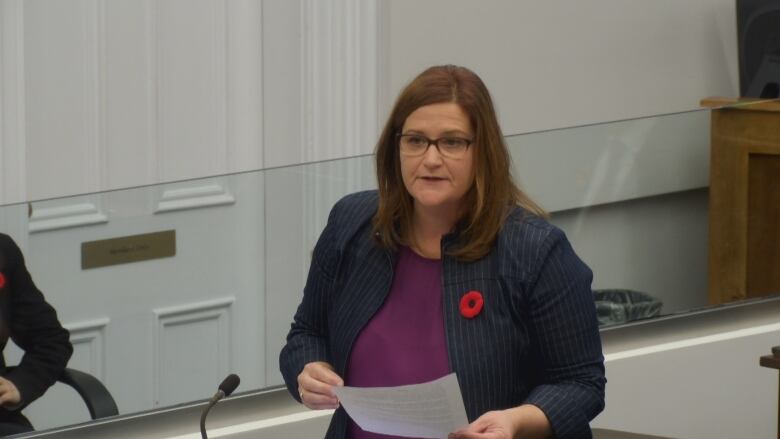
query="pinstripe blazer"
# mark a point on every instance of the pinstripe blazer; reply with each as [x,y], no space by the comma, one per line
[535,341]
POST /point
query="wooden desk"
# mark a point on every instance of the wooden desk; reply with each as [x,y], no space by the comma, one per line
[744,216]
[773,361]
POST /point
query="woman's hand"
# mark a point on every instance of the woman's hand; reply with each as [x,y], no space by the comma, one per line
[526,421]
[9,394]
[315,386]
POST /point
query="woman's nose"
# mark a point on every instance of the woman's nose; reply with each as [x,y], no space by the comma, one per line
[432,155]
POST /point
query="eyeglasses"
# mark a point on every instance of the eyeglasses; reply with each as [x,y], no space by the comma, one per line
[414,145]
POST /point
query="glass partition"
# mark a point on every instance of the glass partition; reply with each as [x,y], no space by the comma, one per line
[632,197]
[161,319]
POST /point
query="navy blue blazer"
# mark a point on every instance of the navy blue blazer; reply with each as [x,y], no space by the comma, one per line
[535,341]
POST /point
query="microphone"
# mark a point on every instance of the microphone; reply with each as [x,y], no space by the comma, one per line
[227,387]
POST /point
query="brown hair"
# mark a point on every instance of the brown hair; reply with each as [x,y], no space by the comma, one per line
[493,193]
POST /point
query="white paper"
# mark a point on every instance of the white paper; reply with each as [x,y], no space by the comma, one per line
[429,410]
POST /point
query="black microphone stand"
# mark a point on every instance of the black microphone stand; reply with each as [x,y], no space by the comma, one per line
[219,395]
[227,387]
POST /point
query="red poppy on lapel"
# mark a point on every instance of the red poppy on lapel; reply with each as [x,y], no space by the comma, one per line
[471,304]
[2,280]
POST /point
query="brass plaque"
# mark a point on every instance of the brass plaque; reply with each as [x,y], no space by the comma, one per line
[128,249]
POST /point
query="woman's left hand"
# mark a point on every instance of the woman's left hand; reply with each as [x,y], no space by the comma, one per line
[491,425]
[525,421]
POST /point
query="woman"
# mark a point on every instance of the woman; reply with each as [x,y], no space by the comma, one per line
[449,267]
[32,323]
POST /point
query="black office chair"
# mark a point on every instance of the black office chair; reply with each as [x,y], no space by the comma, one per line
[98,399]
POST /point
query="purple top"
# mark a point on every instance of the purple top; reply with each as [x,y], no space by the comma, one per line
[404,342]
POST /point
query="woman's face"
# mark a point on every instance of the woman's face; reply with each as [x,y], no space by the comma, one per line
[434,181]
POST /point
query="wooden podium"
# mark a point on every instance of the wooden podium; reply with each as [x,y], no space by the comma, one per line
[744,211]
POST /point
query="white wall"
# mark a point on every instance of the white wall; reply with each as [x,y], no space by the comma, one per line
[127,92]
[695,376]
[700,388]
[555,64]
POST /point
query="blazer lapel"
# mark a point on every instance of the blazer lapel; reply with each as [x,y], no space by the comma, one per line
[361,296]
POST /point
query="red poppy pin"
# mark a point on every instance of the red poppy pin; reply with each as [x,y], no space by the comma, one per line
[471,304]
[2,280]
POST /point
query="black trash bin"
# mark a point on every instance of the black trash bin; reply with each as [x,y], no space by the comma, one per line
[620,306]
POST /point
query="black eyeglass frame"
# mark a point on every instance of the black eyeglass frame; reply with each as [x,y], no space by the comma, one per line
[434,142]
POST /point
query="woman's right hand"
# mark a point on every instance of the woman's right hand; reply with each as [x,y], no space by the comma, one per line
[315,385]
[9,394]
